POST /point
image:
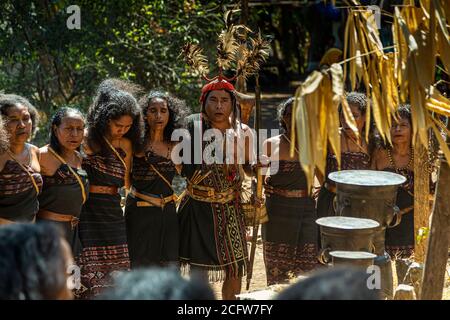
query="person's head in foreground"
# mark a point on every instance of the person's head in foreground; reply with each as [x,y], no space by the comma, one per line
[34,259]
[158,284]
[337,283]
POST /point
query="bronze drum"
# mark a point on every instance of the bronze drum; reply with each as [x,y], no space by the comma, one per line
[371,194]
[356,258]
[346,233]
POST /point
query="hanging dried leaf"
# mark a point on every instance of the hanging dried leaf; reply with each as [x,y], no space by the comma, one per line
[338,96]
[442,32]
[332,119]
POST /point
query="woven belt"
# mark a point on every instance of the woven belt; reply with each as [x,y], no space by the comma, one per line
[104,189]
[53,216]
[5,221]
[330,187]
[287,193]
[210,195]
[150,201]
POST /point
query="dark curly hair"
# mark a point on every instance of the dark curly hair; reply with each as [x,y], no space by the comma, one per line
[4,143]
[281,111]
[11,100]
[178,111]
[132,88]
[112,104]
[57,118]
[358,99]
[32,263]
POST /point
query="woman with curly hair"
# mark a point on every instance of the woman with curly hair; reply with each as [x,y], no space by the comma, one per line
[114,131]
[152,224]
[65,183]
[355,153]
[20,180]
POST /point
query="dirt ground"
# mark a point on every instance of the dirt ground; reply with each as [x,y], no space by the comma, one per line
[259,281]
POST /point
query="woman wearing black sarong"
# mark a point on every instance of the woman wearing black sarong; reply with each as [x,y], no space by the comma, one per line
[114,129]
[290,235]
[65,183]
[151,218]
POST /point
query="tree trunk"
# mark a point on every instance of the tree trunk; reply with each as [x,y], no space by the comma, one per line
[438,241]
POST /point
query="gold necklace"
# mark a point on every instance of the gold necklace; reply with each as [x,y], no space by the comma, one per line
[410,162]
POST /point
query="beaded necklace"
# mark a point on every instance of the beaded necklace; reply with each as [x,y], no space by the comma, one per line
[392,162]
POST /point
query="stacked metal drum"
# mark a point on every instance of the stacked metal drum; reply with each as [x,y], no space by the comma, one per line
[365,207]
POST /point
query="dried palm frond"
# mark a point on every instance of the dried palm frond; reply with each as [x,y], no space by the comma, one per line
[195,59]
[253,57]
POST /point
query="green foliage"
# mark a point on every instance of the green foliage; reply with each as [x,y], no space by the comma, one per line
[136,40]
[422,234]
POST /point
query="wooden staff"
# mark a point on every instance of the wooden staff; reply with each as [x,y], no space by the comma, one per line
[259,182]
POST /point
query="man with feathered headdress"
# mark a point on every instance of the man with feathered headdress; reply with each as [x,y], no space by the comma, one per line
[212,227]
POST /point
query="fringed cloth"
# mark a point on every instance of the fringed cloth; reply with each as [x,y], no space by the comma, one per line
[290,236]
[102,227]
[212,235]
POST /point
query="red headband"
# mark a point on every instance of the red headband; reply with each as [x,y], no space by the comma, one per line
[216,84]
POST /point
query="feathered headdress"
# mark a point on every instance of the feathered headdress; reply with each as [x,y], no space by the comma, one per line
[231,41]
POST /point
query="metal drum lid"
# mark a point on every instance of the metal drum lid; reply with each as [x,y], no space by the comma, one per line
[369,178]
[347,223]
[353,255]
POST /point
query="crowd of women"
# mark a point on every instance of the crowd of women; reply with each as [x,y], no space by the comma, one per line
[122,148]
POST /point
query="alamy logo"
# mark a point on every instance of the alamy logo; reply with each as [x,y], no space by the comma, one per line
[74,20]
[231,147]
[374,279]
